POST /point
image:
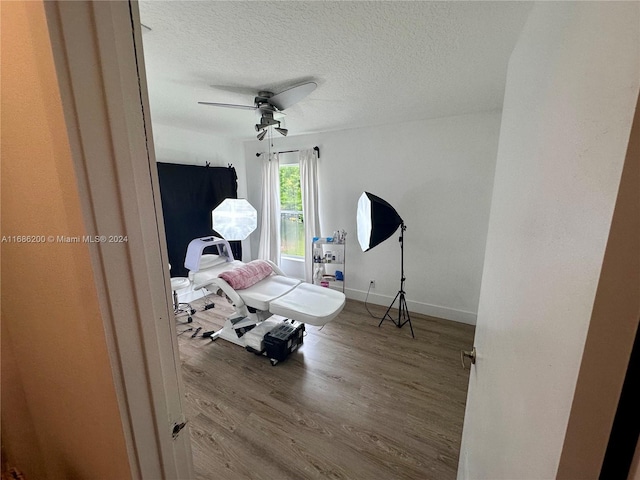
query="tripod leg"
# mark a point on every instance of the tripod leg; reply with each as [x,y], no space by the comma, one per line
[386,314]
[405,313]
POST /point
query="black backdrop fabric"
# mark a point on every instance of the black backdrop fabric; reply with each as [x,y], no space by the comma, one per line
[189,193]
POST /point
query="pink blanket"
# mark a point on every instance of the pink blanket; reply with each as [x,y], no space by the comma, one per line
[247,275]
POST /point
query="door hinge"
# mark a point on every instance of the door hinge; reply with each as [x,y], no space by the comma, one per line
[177,428]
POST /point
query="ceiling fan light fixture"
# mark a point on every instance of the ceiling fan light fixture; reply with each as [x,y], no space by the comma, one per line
[267,119]
[282,131]
[262,134]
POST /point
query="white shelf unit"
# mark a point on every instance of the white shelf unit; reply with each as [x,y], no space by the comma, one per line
[329,262]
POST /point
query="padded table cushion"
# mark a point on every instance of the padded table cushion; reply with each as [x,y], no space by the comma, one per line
[209,260]
[262,294]
[203,278]
[310,304]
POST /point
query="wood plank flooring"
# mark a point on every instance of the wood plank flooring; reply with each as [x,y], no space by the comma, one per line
[354,402]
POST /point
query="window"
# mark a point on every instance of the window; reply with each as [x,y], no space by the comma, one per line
[291,221]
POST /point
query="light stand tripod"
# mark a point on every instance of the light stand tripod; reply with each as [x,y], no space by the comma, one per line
[403,311]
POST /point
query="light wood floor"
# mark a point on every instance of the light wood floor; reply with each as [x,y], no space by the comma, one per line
[354,402]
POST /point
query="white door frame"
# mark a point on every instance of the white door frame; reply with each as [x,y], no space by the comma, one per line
[103,90]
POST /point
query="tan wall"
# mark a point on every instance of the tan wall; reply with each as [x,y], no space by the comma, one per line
[612,330]
[60,415]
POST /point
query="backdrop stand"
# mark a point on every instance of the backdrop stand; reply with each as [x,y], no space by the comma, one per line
[403,311]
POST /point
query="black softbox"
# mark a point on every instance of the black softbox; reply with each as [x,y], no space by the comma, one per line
[376,219]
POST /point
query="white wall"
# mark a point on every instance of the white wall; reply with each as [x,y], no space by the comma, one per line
[571,91]
[178,145]
[438,174]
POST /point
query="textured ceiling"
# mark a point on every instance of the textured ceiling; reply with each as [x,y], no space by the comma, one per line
[374,62]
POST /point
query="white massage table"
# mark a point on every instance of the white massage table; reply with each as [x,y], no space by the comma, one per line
[275,296]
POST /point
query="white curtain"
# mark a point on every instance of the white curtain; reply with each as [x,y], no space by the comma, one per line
[269,248]
[309,187]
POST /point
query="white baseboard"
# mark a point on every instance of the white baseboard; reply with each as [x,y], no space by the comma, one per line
[417,307]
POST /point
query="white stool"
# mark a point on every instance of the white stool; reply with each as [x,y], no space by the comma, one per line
[178,283]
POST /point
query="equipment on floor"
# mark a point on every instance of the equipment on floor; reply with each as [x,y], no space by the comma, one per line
[262,295]
[283,340]
[260,289]
[275,338]
[181,308]
[377,220]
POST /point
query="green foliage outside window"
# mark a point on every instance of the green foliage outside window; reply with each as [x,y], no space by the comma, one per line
[290,193]
[291,221]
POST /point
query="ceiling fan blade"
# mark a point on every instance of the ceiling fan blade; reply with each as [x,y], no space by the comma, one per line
[249,91]
[293,95]
[228,105]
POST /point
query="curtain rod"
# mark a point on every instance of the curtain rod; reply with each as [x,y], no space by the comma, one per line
[317,149]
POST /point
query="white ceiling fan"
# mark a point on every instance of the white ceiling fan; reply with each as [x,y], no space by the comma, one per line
[268,104]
